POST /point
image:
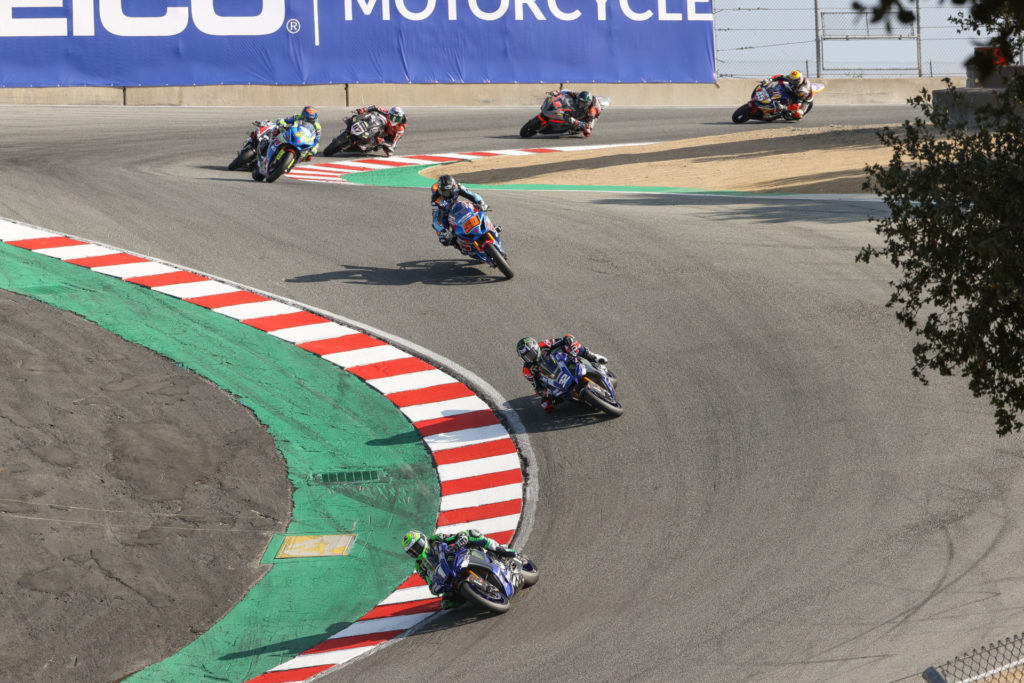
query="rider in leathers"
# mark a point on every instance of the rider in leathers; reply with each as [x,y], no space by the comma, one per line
[424,550]
[308,114]
[395,122]
[585,109]
[444,193]
[796,86]
[533,353]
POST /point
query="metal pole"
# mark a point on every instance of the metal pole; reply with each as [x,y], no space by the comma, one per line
[817,41]
[917,14]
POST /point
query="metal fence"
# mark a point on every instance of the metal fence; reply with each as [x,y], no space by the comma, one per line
[828,38]
[999,662]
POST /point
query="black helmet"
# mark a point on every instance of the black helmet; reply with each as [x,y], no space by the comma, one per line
[584,100]
[447,187]
[528,349]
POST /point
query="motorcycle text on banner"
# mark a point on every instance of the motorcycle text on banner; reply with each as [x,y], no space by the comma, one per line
[247,155]
[553,112]
[360,135]
[280,153]
[761,108]
[577,379]
[477,236]
[482,579]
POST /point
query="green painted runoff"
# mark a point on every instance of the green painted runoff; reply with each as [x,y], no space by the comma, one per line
[322,422]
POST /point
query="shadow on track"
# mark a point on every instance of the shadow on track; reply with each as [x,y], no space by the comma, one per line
[566,415]
[443,272]
[782,209]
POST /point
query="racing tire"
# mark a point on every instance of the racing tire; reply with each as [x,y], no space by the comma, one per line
[285,162]
[499,260]
[245,159]
[597,402]
[529,571]
[807,107]
[493,600]
[531,128]
[742,114]
[335,146]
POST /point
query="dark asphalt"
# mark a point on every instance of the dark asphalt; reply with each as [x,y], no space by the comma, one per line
[781,500]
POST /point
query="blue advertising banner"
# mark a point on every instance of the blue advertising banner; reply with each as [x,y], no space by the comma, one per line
[207,42]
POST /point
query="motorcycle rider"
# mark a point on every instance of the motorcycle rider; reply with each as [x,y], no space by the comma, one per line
[533,352]
[424,550]
[308,114]
[795,85]
[395,122]
[584,110]
[444,193]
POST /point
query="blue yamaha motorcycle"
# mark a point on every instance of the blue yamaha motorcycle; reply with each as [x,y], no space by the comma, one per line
[477,236]
[577,379]
[277,155]
[481,579]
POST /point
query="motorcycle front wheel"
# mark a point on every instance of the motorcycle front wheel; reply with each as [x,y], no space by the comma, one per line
[531,128]
[335,146]
[498,259]
[529,571]
[244,159]
[489,596]
[284,162]
[601,403]
[742,114]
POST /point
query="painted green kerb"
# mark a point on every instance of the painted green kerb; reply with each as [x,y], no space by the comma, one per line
[321,422]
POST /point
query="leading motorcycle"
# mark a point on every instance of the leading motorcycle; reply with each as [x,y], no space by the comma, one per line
[361,133]
[760,107]
[278,154]
[551,119]
[481,578]
[577,379]
[247,155]
[476,236]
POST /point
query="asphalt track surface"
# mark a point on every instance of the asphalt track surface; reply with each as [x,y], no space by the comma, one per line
[781,500]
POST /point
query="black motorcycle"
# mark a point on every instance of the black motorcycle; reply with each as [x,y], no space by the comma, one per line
[360,135]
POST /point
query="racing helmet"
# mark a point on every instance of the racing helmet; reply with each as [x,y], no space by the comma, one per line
[585,100]
[396,115]
[415,543]
[795,79]
[447,187]
[309,114]
[528,349]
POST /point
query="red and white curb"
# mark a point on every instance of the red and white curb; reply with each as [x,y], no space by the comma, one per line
[477,461]
[335,171]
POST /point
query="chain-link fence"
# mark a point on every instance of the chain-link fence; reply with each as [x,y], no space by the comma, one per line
[826,38]
[999,662]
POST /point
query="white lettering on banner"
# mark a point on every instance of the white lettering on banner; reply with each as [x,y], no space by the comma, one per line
[83,19]
[532,4]
[453,13]
[367,7]
[415,16]
[474,7]
[635,16]
[269,20]
[30,26]
[602,10]
[665,15]
[693,15]
[170,23]
[560,15]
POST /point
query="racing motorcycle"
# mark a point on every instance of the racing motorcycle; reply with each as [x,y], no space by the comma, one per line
[277,155]
[481,578]
[551,119]
[577,379]
[360,135]
[760,105]
[477,236]
[247,155]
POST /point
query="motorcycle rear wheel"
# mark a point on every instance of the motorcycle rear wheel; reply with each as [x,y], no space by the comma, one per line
[602,404]
[530,128]
[742,114]
[493,599]
[499,260]
[283,164]
[244,159]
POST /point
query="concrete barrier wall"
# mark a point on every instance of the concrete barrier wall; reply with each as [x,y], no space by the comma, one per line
[727,92]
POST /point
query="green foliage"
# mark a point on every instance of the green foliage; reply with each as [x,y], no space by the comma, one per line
[955,192]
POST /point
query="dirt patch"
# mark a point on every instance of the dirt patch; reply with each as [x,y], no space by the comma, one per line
[766,158]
